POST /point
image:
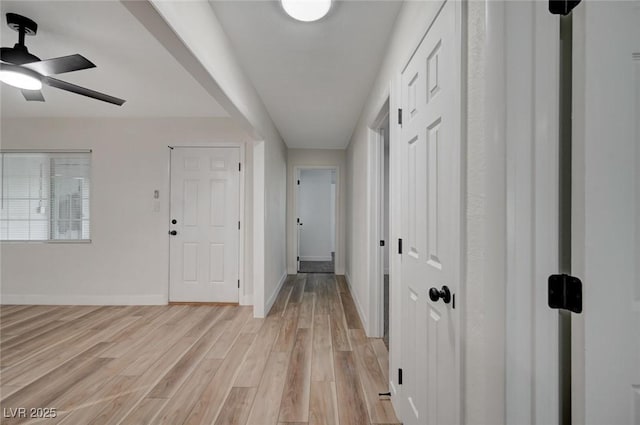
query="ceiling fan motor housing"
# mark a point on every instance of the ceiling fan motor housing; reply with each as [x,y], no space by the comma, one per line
[19,54]
[21,23]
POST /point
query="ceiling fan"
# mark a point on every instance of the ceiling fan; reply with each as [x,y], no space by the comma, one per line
[21,69]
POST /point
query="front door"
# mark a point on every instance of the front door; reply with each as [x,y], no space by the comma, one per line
[204,228]
[431,213]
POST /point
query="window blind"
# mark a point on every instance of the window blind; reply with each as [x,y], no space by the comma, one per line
[45,196]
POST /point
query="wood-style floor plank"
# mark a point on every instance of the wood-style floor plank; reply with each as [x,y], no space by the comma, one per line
[305,320]
[352,408]
[339,334]
[287,334]
[253,366]
[298,288]
[382,354]
[322,360]
[350,311]
[266,406]
[308,362]
[208,405]
[372,379]
[295,399]
[323,408]
[179,406]
[144,413]
[237,406]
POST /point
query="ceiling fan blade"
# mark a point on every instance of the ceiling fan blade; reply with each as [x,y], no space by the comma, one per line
[33,95]
[63,85]
[60,65]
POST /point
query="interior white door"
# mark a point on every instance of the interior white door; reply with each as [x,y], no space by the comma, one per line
[205,199]
[606,212]
[431,196]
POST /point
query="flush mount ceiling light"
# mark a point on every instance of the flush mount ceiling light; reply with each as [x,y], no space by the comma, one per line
[306,10]
[22,78]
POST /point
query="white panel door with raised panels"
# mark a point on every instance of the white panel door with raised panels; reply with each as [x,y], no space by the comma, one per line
[431,224]
[205,199]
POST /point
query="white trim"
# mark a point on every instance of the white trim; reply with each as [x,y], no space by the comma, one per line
[258,229]
[246,299]
[395,232]
[272,298]
[312,258]
[338,223]
[158,299]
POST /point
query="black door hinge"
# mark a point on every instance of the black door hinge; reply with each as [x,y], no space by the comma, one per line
[297,258]
[399,116]
[565,292]
[399,376]
[239,166]
[238,225]
[238,283]
[298,181]
[381,243]
[399,246]
[562,7]
[298,220]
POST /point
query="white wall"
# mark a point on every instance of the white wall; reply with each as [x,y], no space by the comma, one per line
[275,229]
[192,33]
[127,260]
[315,213]
[317,158]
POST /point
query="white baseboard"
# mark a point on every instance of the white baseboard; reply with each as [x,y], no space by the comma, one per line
[312,258]
[84,299]
[274,295]
[356,301]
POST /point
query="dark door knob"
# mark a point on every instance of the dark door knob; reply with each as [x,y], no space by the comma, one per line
[443,293]
[173,232]
[174,221]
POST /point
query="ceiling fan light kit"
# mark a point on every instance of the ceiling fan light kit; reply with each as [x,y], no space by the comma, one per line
[22,78]
[19,68]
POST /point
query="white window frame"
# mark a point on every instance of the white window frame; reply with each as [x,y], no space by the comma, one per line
[50,240]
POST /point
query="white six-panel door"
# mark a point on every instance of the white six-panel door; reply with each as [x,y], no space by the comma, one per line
[204,254]
[431,196]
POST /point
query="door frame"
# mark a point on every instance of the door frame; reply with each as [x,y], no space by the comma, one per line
[375,221]
[296,176]
[244,299]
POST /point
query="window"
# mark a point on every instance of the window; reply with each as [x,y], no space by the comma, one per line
[44,196]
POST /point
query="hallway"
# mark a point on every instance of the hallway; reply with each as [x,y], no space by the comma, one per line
[309,362]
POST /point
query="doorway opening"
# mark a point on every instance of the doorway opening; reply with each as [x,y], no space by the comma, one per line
[316,219]
[379,213]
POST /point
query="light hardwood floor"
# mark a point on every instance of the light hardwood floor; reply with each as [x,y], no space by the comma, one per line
[308,362]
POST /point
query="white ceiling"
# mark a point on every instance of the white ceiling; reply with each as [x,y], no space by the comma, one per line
[131,64]
[312,77]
